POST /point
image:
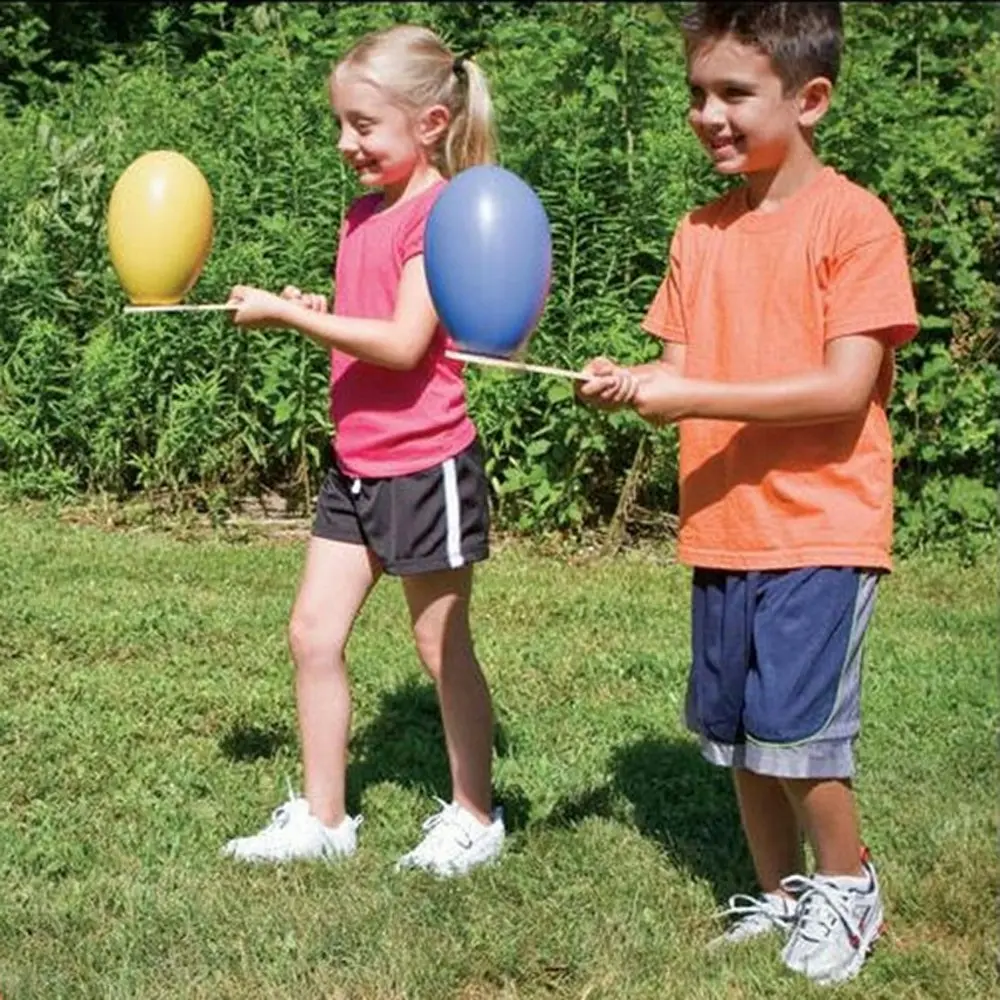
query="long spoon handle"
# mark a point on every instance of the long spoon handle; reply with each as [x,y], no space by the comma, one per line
[476,359]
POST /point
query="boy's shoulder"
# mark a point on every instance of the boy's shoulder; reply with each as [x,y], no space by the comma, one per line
[711,213]
[853,205]
[833,202]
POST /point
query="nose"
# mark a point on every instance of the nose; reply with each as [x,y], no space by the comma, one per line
[346,142]
[712,112]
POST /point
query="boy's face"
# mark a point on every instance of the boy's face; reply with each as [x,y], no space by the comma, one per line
[738,108]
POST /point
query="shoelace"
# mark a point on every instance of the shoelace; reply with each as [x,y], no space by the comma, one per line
[749,907]
[281,815]
[438,817]
[442,823]
[821,906]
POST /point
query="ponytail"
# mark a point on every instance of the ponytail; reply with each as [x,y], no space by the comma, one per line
[417,70]
[469,141]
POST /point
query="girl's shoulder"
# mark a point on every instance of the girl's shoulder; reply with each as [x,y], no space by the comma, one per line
[362,208]
[396,222]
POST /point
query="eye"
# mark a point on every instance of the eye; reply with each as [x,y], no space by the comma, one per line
[733,94]
[696,97]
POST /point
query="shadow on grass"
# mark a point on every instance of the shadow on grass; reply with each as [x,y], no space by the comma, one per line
[674,797]
[404,743]
[662,787]
[246,742]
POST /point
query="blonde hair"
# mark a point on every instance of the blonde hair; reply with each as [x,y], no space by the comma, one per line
[416,70]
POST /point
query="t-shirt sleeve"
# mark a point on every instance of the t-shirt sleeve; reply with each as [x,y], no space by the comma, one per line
[869,286]
[341,232]
[359,210]
[665,316]
[411,233]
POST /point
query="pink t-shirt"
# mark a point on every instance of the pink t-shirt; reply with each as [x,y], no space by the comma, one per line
[391,423]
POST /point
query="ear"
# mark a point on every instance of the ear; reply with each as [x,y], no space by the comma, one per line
[814,101]
[432,124]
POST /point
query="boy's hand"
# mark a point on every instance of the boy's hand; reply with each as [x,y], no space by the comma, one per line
[662,394]
[257,308]
[609,386]
[312,301]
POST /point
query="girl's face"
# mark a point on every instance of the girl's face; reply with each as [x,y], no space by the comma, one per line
[739,110]
[378,140]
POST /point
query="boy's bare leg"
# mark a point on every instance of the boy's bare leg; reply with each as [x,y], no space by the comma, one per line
[771,828]
[830,821]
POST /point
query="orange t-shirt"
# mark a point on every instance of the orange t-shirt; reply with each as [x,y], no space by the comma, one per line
[756,296]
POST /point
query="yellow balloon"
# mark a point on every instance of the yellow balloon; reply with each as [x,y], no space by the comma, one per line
[159,227]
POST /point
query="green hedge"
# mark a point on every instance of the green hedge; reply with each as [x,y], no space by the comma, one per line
[591,100]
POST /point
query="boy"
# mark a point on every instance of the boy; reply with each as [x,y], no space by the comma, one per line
[780,312]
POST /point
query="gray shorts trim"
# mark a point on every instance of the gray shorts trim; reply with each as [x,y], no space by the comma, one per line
[813,760]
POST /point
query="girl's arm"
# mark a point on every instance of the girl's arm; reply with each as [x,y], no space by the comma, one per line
[397,343]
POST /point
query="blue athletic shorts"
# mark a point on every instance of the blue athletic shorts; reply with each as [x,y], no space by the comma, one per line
[775,682]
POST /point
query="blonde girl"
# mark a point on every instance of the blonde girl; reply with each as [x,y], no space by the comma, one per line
[406,494]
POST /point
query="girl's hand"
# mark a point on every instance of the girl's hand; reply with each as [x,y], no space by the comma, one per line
[257,308]
[312,301]
[609,387]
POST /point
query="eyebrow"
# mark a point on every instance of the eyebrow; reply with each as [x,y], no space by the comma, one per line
[728,83]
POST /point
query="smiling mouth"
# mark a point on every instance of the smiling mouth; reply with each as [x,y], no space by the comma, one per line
[359,165]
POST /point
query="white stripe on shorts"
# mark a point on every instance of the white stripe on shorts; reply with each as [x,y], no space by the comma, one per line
[453,516]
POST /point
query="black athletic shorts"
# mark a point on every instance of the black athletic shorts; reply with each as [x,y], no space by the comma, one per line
[431,520]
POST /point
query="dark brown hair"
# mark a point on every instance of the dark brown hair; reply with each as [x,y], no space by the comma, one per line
[803,40]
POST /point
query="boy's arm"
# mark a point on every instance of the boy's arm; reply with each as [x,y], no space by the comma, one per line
[612,387]
[673,355]
[841,388]
[397,343]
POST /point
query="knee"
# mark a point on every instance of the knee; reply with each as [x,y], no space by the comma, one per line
[314,642]
[443,650]
[430,648]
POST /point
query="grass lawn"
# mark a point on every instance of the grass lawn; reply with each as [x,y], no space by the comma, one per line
[147,715]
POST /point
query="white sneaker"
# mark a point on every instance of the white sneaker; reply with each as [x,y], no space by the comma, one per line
[838,920]
[769,913]
[455,842]
[295,834]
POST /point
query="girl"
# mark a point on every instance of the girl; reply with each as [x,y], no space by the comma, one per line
[407,492]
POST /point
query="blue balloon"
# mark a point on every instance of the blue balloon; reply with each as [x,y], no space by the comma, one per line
[488,259]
